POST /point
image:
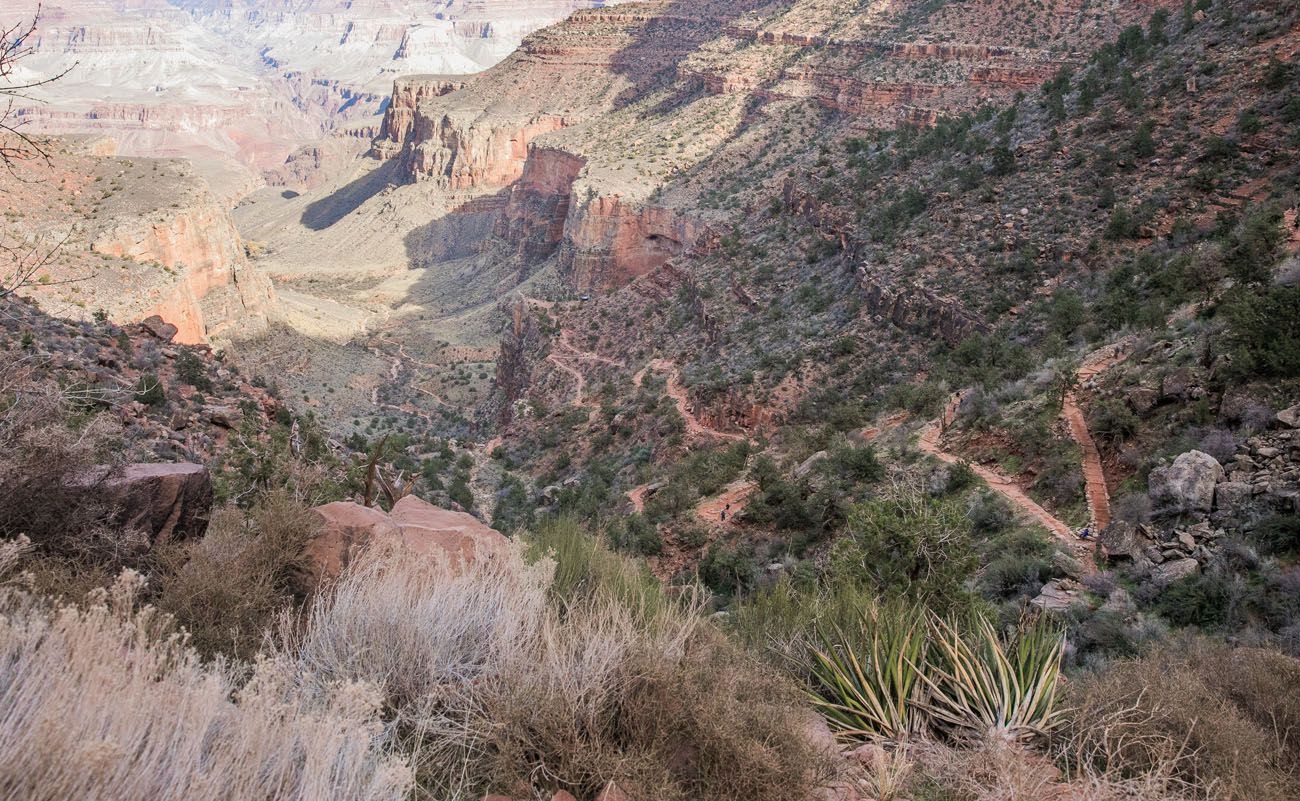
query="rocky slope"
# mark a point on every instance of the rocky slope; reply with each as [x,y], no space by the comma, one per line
[132,238]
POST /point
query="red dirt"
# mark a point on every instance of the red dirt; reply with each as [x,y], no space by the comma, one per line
[1094,476]
[929,442]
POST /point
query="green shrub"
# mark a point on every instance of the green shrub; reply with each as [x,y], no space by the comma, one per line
[1200,600]
[149,390]
[1278,535]
[906,543]
[1264,332]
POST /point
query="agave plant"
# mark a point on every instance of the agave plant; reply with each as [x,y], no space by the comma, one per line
[981,685]
[875,689]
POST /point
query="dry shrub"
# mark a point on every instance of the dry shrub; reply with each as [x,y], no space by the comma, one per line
[1220,722]
[495,685]
[103,701]
[227,587]
[1003,771]
[55,458]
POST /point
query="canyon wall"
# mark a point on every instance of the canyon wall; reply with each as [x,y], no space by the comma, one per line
[214,288]
[610,241]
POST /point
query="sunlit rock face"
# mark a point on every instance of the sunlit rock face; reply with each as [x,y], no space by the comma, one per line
[237,87]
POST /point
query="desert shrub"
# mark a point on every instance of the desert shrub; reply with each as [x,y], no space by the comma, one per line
[227,587]
[585,568]
[496,682]
[1265,332]
[191,369]
[906,543]
[149,390]
[1016,564]
[297,460]
[1278,535]
[783,618]
[728,568]
[856,464]
[989,512]
[56,466]
[103,701]
[1217,718]
[1200,600]
[634,534]
[1113,420]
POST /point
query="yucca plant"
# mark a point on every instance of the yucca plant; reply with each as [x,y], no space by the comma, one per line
[979,684]
[870,685]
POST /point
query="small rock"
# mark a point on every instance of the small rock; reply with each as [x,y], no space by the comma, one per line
[1186,540]
[563,795]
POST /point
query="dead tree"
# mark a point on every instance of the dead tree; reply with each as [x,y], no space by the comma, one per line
[21,260]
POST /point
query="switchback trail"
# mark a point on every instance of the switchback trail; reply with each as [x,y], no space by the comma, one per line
[731,500]
[677,392]
[1004,486]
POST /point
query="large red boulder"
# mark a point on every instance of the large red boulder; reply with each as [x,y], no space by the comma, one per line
[415,526]
[165,501]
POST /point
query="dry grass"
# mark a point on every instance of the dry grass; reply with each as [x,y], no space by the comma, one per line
[102,701]
[53,455]
[227,588]
[1220,722]
[494,685]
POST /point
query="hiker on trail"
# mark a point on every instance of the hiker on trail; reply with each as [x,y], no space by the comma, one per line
[728,507]
[1085,534]
[724,515]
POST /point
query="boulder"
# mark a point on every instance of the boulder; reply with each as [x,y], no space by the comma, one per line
[1177,385]
[165,501]
[461,537]
[1121,540]
[1058,595]
[160,328]
[1186,486]
[1141,400]
[222,416]
[415,526]
[1290,417]
[1232,497]
[1173,570]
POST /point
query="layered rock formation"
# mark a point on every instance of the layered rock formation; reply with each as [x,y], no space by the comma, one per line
[151,240]
[237,87]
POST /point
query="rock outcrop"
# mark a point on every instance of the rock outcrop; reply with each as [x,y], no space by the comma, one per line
[1186,486]
[164,501]
[414,526]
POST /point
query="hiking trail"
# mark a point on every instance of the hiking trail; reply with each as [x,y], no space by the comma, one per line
[1094,476]
[1001,484]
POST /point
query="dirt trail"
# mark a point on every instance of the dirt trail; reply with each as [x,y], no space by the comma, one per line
[557,360]
[1001,484]
[731,500]
[562,361]
[1095,363]
[677,392]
